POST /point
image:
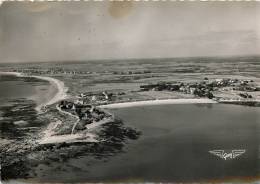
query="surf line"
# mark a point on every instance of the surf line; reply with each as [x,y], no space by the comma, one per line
[60,95]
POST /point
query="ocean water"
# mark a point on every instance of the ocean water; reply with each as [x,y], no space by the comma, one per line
[19,96]
[174,147]
[176,140]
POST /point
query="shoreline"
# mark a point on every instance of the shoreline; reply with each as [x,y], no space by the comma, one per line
[60,95]
[49,138]
[158,102]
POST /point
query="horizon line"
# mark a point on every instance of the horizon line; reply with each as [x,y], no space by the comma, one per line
[118,59]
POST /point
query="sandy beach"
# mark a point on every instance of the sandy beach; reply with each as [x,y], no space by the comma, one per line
[60,95]
[70,138]
[61,89]
[49,134]
[158,102]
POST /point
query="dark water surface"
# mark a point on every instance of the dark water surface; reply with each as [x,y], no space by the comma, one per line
[174,146]
[176,140]
[18,98]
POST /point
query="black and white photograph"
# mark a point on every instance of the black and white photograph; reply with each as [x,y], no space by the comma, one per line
[129,92]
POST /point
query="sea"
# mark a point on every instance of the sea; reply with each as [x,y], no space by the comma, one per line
[175,146]
[19,97]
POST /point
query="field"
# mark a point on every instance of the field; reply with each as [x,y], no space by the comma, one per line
[126,76]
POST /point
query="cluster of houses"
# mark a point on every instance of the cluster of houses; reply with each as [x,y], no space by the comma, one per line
[247,88]
[204,88]
[130,72]
[197,89]
[95,98]
[87,114]
[53,71]
[236,83]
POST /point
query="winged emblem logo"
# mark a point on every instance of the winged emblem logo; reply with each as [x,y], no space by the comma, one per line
[227,155]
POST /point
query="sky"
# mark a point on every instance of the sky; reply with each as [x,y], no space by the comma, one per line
[82,31]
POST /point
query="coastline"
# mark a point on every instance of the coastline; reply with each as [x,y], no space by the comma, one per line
[158,102]
[48,134]
[60,95]
[50,138]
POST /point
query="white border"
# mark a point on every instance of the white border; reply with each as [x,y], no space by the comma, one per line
[1,1]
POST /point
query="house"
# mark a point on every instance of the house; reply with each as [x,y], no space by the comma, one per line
[94,98]
[192,90]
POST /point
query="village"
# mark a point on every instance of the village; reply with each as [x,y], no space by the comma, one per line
[206,87]
[85,114]
[49,71]
[85,109]
[215,89]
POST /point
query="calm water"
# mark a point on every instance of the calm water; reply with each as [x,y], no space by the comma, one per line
[174,146]
[19,96]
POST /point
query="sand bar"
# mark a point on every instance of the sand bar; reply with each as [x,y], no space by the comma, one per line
[158,102]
